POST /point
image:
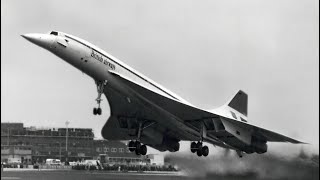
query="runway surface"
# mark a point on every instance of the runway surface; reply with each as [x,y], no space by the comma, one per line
[81,175]
[103,175]
[97,175]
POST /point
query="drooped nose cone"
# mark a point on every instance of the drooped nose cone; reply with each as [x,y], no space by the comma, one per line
[38,39]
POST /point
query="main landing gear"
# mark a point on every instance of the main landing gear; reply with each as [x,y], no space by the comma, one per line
[140,149]
[137,147]
[100,88]
[197,147]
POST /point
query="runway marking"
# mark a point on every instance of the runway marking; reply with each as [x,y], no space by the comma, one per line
[10,178]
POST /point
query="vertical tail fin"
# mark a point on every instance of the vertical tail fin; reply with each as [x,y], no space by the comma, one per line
[239,102]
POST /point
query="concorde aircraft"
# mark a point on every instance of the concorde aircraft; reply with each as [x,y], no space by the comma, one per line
[146,114]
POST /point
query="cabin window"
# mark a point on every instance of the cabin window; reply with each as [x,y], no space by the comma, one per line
[105,149]
[54,33]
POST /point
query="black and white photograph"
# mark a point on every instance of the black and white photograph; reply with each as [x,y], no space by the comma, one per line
[160,89]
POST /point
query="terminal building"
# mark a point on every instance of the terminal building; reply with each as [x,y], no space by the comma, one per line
[35,145]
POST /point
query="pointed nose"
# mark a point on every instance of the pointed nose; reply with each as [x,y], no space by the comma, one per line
[26,36]
[31,37]
[38,39]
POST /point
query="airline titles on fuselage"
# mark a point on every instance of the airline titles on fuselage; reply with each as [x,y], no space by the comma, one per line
[101,58]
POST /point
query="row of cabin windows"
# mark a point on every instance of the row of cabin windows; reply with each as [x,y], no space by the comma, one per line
[105,149]
[16,148]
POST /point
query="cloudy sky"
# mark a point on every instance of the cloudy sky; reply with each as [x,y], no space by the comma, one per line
[202,50]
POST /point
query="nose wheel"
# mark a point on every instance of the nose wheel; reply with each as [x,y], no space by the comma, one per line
[97,111]
[100,89]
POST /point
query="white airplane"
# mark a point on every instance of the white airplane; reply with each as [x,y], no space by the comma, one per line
[142,111]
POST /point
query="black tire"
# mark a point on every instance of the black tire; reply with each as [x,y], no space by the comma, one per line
[95,111]
[143,150]
[193,147]
[137,151]
[199,145]
[205,150]
[99,111]
[137,144]
[199,152]
[131,146]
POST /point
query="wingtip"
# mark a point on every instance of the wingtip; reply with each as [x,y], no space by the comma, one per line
[299,142]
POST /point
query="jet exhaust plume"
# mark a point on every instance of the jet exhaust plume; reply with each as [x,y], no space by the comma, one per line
[227,165]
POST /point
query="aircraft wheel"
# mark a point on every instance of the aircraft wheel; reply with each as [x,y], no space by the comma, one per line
[199,152]
[137,144]
[199,145]
[205,150]
[95,111]
[131,146]
[193,147]
[99,111]
[137,151]
[143,150]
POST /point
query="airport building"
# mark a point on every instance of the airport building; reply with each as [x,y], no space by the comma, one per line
[30,145]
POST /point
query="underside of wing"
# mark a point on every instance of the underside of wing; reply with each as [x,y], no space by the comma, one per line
[168,116]
[175,120]
[182,111]
[130,103]
[262,133]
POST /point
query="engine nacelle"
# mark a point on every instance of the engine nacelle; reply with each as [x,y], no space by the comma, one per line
[260,147]
[171,144]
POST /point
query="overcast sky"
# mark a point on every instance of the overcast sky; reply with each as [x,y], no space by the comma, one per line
[202,50]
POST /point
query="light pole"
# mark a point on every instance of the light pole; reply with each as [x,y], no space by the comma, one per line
[8,137]
[60,150]
[67,123]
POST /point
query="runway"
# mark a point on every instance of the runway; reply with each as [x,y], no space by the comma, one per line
[84,175]
[100,175]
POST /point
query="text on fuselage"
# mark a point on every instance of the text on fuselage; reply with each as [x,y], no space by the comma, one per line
[100,58]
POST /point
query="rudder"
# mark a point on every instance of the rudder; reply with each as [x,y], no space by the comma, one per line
[240,102]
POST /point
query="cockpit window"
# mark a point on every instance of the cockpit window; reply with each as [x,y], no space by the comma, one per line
[54,33]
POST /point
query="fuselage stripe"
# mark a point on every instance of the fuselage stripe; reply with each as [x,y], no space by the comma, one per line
[123,67]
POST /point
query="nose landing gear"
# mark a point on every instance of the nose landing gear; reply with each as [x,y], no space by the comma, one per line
[97,111]
[100,88]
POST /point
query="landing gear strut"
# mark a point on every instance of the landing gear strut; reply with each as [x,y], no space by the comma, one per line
[198,147]
[100,88]
[140,149]
[240,154]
